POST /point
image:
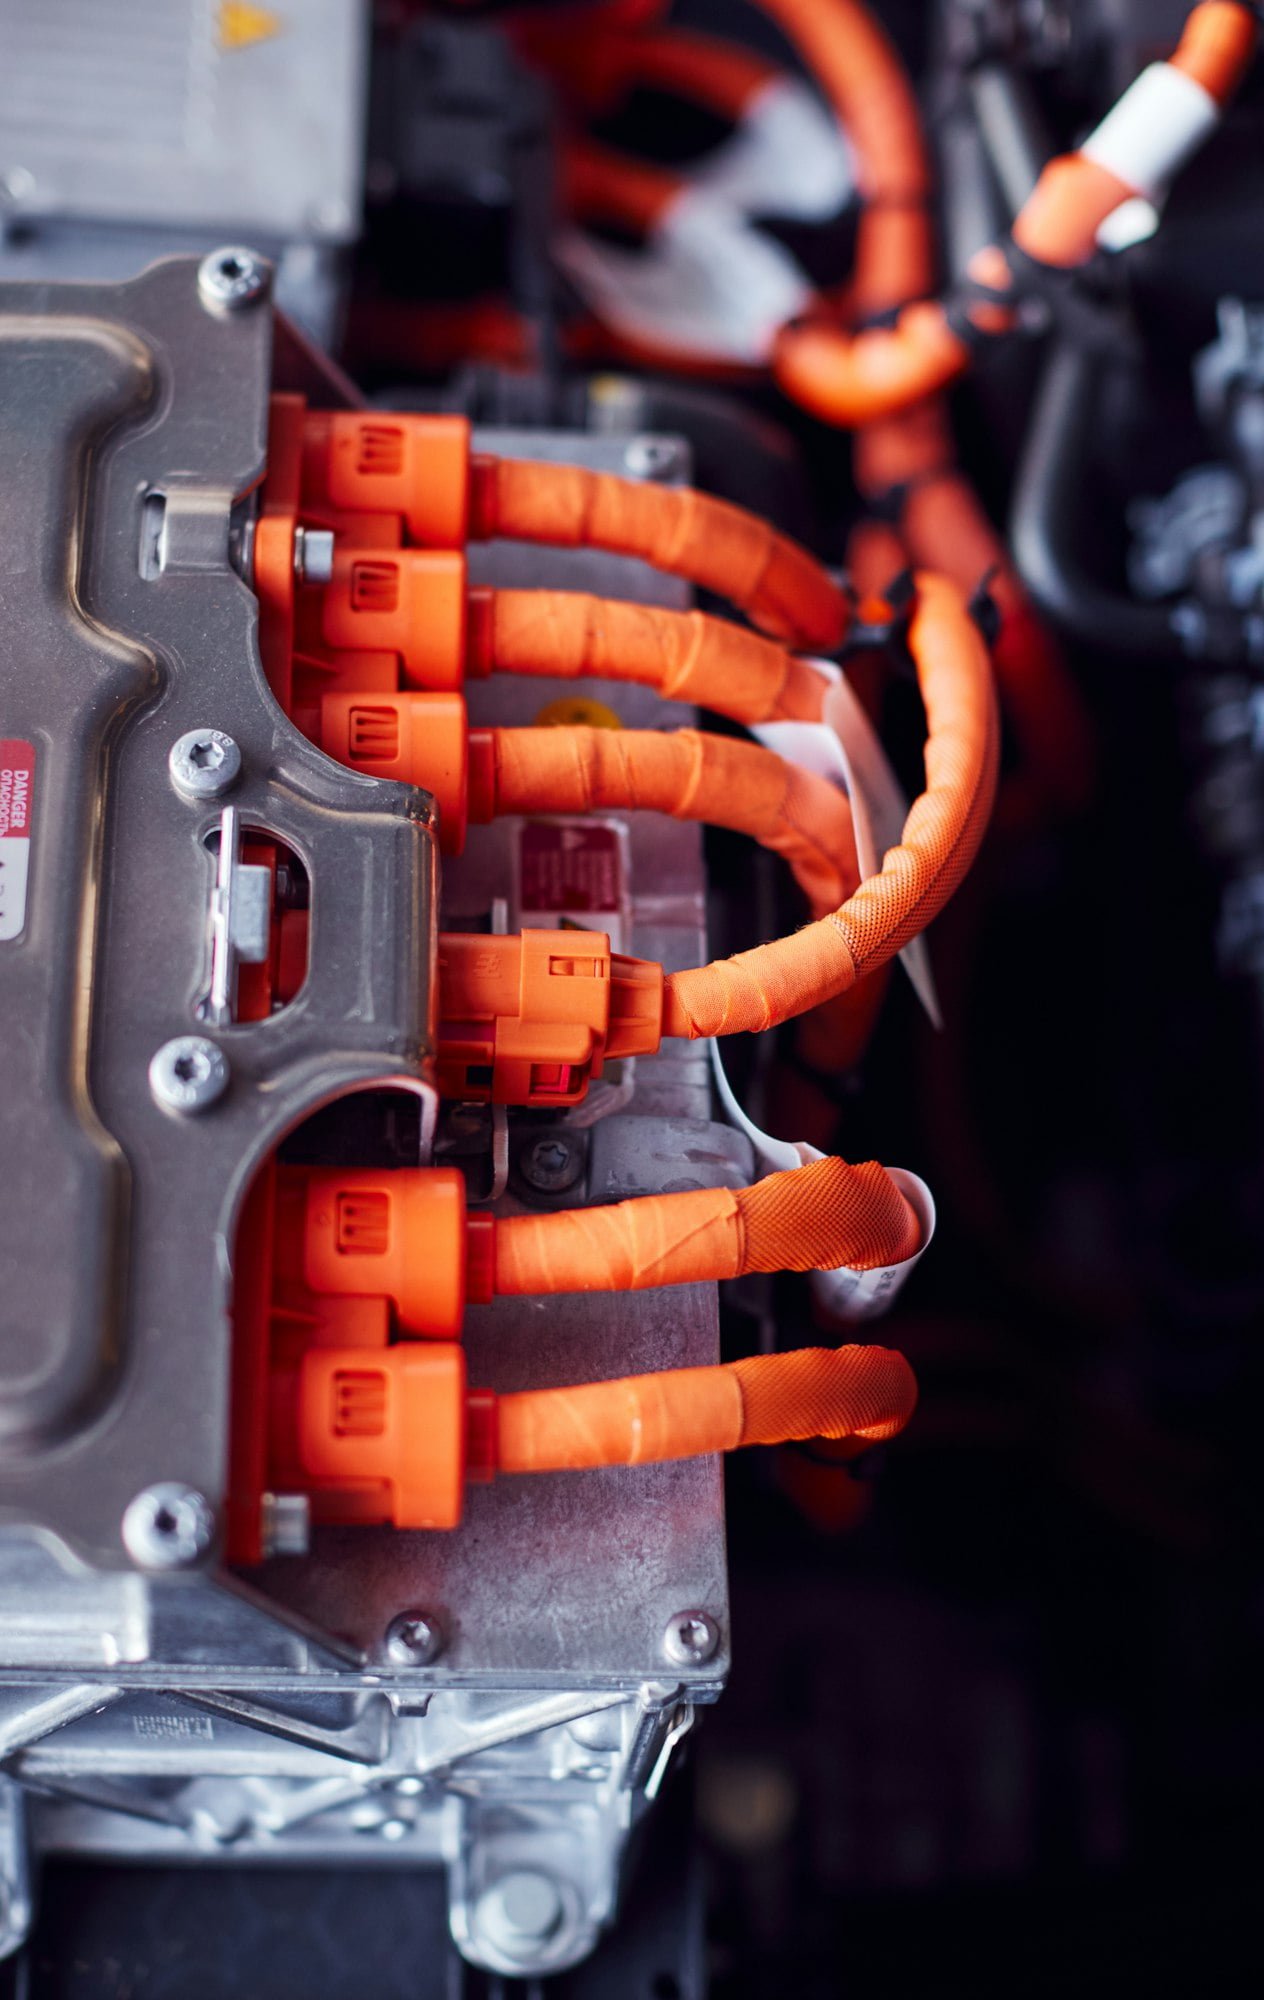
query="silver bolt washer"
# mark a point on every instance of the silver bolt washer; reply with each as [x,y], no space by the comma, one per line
[651,458]
[168,1526]
[232,277]
[188,1074]
[313,555]
[413,1639]
[520,1913]
[204,763]
[691,1639]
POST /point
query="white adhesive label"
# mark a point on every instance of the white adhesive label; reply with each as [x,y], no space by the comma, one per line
[788,157]
[17,803]
[847,750]
[706,283]
[851,1295]
[1158,124]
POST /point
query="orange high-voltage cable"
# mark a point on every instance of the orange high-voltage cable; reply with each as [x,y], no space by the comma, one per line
[393,1434]
[687,656]
[819,1217]
[714,780]
[429,1256]
[851,378]
[709,542]
[862,1392]
[759,989]
[905,463]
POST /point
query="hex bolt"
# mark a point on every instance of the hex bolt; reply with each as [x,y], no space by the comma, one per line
[552,1163]
[521,1912]
[204,763]
[413,1639]
[651,458]
[168,1526]
[691,1638]
[232,278]
[313,554]
[188,1075]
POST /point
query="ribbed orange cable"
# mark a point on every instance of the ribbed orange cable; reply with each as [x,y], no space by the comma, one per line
[688,656]
[714,780]
[817,1217]
[718,546]
[760,988]
[863,1392]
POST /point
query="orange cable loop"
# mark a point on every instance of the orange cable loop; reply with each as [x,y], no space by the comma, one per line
[759,989]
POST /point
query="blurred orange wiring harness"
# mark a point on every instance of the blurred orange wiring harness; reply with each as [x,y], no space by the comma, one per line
[852,378]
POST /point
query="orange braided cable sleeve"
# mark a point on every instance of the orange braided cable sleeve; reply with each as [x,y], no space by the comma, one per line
[864,1392]
[710,542]
[715,780]
[818,1217]
[943,831]
[688,656]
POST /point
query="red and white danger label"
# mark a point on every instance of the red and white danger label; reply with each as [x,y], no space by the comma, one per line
[17,800]
[572,875]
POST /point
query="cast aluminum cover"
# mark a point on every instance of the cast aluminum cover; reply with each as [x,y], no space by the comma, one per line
[122,407]
[195,113]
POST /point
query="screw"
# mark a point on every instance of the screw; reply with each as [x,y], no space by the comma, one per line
[168,1526]
[232,278]
[552,1163]
[17,185]
[286,1525]
[691,1638]
[204,763]
[413,1639]
[313,554]
[651,458]
[520,1913]
[188,1074]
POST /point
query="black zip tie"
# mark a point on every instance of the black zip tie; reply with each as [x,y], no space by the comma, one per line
[984,609]
[885,635]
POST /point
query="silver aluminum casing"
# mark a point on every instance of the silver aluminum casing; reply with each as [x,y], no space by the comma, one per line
[206,1714]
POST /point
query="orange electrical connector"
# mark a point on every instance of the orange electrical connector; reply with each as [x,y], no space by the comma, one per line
[418,739]
[376,1437]
[530,1020]
[375,462]
[409,602]
[398,1234]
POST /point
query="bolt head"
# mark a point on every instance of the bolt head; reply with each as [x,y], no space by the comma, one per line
[188,1075]
[413,1639]
[168,1526]
[520,1913]
[652,458]
[691,1639]
[204,763]
[232,278]
[552,1163]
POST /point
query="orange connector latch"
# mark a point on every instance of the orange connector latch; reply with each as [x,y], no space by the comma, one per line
[531,1019]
